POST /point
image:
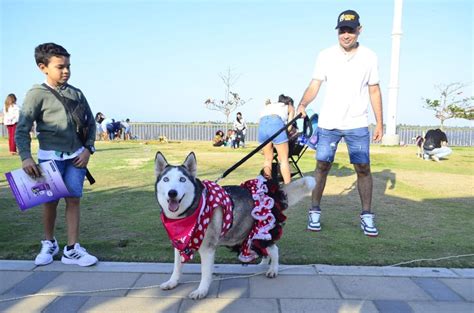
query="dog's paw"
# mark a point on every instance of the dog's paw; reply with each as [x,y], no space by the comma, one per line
[198,294]
[170,284]
[272,273]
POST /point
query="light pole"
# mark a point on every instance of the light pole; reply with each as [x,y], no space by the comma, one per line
[391,137]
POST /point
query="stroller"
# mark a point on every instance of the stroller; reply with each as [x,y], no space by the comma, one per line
[298,143]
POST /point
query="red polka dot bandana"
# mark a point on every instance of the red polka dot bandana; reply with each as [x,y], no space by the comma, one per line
[187,234]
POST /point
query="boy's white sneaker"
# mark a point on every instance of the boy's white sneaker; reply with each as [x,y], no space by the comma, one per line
[78,255]
[48,251]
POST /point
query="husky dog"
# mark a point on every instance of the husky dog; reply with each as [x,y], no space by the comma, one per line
[178,192]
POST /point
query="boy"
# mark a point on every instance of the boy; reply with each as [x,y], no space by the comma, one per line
[59,141]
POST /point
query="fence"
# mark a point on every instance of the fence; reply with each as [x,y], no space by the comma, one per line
[184,131]
[202,132]
[457,136]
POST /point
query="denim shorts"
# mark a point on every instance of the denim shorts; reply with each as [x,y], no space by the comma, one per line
[73,176]
[357,141]
[268,126]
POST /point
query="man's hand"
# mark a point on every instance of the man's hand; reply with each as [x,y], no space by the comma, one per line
[301,109]
[376,101]
[378,133]
[30,168]
[82,159]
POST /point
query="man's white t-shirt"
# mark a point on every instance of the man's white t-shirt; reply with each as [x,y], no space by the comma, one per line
[347,77]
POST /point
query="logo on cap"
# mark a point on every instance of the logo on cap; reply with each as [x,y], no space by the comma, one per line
[347,17]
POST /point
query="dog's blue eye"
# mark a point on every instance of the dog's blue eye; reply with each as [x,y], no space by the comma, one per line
[166,179]
[182,179]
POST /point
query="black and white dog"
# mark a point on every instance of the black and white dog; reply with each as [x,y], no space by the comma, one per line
[179,194]
[419,140]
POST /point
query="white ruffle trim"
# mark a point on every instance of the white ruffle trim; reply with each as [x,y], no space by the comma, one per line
[265,202]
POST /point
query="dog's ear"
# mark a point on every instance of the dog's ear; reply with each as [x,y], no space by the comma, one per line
[191,164]
[160,163]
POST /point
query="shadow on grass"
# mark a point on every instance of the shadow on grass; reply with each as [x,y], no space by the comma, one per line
[339,170]
[383,178]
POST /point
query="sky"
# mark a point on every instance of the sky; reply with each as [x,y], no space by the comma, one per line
[158,61]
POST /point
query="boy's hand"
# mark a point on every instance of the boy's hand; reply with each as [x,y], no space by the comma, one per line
[30,168]
[82,159]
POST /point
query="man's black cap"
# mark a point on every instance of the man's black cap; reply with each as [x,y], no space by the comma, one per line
[348,18]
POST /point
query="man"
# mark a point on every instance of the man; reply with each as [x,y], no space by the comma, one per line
[435,146]
[351,73]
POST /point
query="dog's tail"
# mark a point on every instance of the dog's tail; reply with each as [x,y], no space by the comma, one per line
[298,189]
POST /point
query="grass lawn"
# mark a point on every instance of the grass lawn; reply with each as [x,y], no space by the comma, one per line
[424,209]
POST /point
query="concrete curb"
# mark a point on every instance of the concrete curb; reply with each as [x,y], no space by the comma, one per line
[238,269]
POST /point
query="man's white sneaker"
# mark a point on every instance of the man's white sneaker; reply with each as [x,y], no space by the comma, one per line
[78,255]
[48,251]
[314,223]
[367,224]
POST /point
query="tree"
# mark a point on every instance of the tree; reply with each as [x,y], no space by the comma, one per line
[451,103]
[231,99]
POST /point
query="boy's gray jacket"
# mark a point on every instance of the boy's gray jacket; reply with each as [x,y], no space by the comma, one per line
[55,129]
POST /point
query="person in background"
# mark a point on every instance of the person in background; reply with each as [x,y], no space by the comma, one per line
[350,71]
[126,129]
[116,130]
[101,132]
[273,117]
[58,142]
[435,146]
[235,139]
[11,114]
[240,128]
[99,117]
[230,138]
[218,139]
[107,128]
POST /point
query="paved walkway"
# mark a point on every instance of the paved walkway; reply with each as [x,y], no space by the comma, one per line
[133,287]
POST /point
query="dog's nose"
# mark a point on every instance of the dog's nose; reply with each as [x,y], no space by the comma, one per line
[172,193]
